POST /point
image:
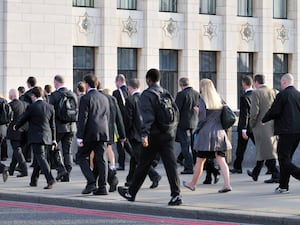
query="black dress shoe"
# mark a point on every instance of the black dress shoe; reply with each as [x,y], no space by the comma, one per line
[125,194]
[33,184]
[89,189]
[250,174]
[271,181]
[61,174]
[120,168]
[187,172]
[22,175]
[155,182]
[100,191]
[233,170]
[127,184]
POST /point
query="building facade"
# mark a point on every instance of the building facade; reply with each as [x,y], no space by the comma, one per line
[221,40]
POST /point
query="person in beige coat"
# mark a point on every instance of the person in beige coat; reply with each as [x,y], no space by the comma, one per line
[265,141]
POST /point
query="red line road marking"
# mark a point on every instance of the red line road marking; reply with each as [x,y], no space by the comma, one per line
[107,214]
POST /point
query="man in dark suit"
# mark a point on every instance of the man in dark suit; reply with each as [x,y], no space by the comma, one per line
[285,112]
[3,130]
[186,100]
[31,83]
[41,133]
[121,94]
[133,121]
[64,130]
[244,129]
[17,137]
[92,135]
[154,141]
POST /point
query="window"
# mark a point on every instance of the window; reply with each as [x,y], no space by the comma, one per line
[244,68]
[280,67]
[127,62]
[83,3]
[127,4]
[207,7]
[168,6]
[168,65]
[83,63]
[280,9]
[244,8]
[208,66]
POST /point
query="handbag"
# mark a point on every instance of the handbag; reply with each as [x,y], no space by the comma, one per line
[227,117]
[55,158]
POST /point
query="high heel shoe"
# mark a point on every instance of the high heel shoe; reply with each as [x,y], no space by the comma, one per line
[187,186]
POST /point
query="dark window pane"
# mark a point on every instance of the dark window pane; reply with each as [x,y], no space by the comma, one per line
[208,66]
[280,9]
[244,7]
[127,62]
[280,67]
[168,65]
[207,7]
[126,4]
[83,3]
[168,6]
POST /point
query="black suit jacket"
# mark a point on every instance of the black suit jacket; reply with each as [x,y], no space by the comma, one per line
[115,119]
[285,112]
[133,118]
[3,128]
[41,118]
[244,117]
[27,96]
[54,100]
[117,95]
[185,101]
[93,118]
[18,107]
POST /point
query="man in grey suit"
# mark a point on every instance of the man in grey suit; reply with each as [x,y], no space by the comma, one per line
[41,133]
[92,135]
[265,141]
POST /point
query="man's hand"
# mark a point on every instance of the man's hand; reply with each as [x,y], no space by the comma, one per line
[14,128]
[145,142]
[54,144]
[79,142]
[244,134]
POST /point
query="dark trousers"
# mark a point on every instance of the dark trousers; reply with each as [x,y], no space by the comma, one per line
[2,166]
[121,148]
[164,145]
[184,137]
[135,159]
[287,145]
[40,155]
[4,154]
[83,155]
[240,149]
[270,164]
[66,140]
[18,156]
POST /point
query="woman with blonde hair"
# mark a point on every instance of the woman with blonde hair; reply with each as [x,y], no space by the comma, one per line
[211,140]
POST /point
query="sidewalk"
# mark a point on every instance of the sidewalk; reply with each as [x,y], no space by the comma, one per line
[249,202]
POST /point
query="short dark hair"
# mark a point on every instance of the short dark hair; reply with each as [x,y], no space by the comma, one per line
[153,75]
[31,81]
[184,81]
[134,83]
[21,89]
[37,92]
[259,78]
[48,88]
[91,80]
[59,79]
[80,86]
[247,80]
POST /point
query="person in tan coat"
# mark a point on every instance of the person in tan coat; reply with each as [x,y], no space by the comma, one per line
[265,141]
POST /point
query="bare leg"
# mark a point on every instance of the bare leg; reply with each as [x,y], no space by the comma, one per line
[111,156]
[224,169]
[198,169]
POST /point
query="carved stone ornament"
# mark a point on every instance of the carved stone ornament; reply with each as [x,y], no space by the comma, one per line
[85,24]
[247,32]
[210,30]
[170,28]
[282,34]
[129,26]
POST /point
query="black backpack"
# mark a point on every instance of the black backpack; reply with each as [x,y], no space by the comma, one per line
[167,113]
[67,110]
[6,113]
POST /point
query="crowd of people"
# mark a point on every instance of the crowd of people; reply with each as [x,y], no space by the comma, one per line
[43,124]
